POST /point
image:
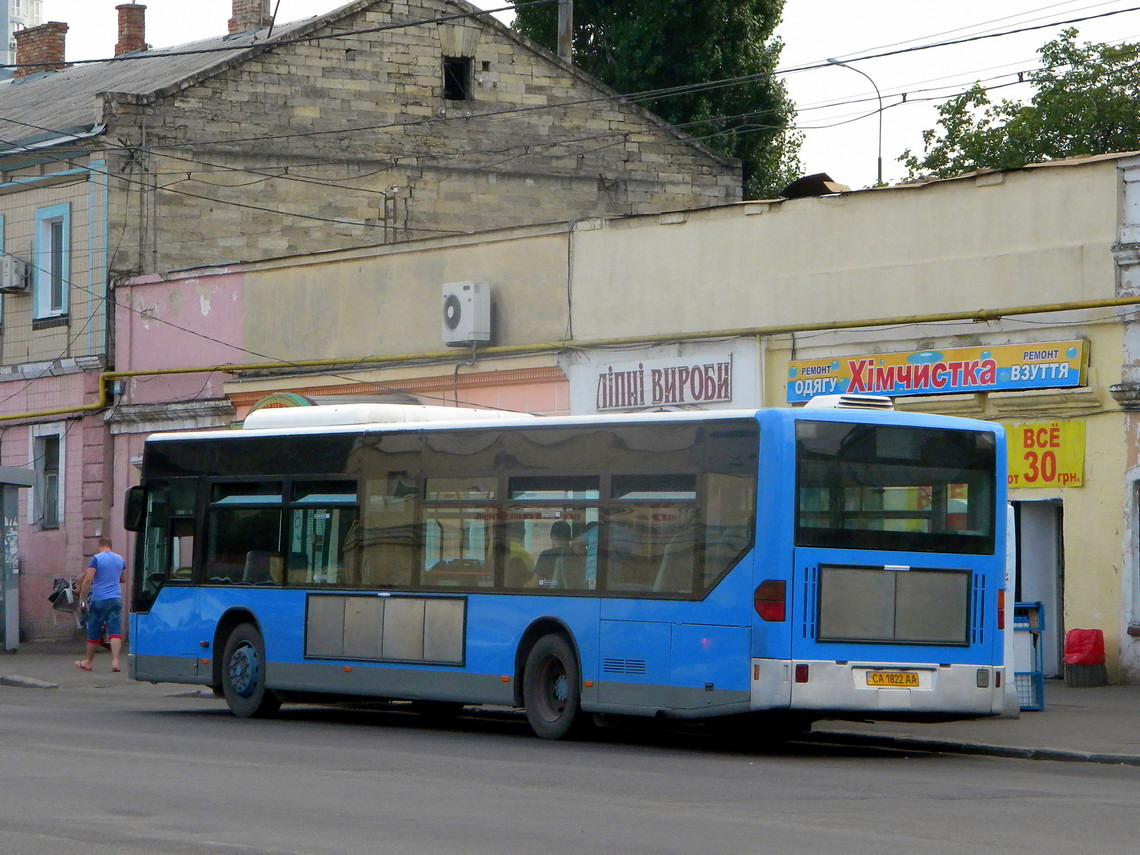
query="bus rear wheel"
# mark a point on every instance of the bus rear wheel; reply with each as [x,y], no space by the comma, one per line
[243,674]
[552,688]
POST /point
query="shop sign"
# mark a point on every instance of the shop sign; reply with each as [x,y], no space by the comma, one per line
[663,383]
[1046,454]
[690,375]
[1052,365]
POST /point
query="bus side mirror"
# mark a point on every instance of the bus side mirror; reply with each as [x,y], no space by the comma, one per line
[134,510]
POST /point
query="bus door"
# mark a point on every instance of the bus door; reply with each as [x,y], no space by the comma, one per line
[168,643]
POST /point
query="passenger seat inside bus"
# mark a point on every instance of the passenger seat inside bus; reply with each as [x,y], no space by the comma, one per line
[262,567]
[297,569]
[677,566]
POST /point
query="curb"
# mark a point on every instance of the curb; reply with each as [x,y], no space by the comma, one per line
[26,682]
[936,746]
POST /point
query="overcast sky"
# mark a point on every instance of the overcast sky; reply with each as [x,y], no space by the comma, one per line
[838,106]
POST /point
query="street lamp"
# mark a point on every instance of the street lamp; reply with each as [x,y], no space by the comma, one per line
[878,95]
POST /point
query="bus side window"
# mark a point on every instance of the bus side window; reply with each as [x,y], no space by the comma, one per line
[458,543]
[380,551]
[319,540]
[181,548]
[231,534]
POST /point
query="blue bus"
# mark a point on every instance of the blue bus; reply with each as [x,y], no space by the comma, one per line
[768,567]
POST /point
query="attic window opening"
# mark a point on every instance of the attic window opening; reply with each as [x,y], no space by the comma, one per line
[457,78]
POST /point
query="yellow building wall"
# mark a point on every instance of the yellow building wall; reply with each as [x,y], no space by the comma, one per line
[1009,239]
[388,300]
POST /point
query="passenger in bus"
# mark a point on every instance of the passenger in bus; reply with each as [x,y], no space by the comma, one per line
[518,565]
[618,553]
[546,567]
[576,569]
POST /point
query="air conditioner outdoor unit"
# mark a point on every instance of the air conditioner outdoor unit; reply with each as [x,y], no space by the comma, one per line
[466,313]
[13,275]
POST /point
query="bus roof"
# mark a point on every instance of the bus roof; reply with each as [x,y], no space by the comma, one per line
[357,418]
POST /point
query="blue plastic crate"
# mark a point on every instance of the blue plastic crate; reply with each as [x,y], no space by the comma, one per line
[1030,689]
[1028,625]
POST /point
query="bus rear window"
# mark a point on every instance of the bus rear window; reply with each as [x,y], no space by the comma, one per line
[894,488]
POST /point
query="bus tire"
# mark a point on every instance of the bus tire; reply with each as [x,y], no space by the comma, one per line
[552,688]
[243,674]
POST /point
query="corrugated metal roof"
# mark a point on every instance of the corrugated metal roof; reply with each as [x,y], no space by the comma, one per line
[44,107]
[52,104]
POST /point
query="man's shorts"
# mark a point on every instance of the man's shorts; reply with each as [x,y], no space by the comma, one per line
[107,613]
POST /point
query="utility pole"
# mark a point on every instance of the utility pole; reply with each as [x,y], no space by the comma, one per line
[566,30]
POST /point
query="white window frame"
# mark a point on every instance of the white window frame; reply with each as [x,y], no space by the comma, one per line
[52,260]
[35,463]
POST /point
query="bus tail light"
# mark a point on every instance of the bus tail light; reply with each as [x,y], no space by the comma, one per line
[1001,609]
[770,600]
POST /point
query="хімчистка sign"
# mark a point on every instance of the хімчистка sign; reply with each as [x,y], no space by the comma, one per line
[1051,365]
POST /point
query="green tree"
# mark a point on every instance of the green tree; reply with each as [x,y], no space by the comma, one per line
[1085,102]
[638,46]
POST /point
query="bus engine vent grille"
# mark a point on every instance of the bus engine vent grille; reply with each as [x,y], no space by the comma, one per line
[811,600]
[623,666]
[977,631]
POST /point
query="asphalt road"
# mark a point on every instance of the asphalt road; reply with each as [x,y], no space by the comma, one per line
[162,771]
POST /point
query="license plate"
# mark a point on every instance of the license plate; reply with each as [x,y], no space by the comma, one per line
[893,679]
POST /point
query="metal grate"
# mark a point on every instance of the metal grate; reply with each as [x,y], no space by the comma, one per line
[811,584]
[623,666]
[978,612]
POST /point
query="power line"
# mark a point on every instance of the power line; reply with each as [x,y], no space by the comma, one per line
[632,97]
[984,23]
[272,43]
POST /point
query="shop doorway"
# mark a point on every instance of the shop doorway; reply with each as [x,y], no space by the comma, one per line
[1040,571]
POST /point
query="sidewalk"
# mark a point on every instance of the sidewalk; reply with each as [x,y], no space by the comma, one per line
[1100,725]
[51,666]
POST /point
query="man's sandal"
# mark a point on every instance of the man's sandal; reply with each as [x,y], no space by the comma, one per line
[81,665]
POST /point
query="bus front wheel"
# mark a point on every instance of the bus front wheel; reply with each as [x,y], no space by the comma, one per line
[552,688]
[243,674]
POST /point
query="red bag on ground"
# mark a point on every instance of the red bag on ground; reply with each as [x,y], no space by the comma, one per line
[1084,647]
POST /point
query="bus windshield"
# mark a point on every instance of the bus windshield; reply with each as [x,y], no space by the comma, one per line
[894,488]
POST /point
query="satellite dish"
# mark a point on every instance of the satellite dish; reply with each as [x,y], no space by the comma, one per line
[452,311]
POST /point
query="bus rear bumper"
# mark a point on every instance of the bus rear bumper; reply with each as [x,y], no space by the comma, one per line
[874,690]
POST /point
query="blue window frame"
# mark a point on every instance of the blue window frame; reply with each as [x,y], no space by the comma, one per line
[52,261]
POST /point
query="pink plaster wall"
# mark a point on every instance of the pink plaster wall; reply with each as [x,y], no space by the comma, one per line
[62,551]
[548,398]
[180,321]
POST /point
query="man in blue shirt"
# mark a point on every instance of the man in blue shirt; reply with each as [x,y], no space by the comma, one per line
[104,580]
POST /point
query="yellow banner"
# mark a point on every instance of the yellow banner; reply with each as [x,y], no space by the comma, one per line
[1046,454]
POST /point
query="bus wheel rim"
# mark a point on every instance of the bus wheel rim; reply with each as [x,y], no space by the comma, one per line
[244,670]
[557,687]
